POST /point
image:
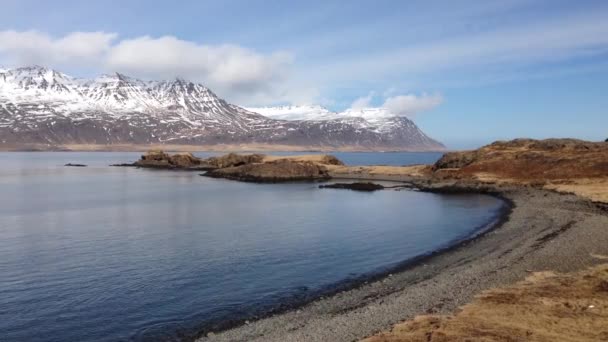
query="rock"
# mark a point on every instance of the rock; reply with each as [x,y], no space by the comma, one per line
[456,160]
[75,165]
[158,159]
[328,159]
[233,159]
[358,186]
[282,170]
[184,160]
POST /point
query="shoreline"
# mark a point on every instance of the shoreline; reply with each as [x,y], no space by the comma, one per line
[537,228]
[286,306]
[499,255]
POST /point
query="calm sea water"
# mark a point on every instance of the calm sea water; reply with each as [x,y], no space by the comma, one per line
[111,254]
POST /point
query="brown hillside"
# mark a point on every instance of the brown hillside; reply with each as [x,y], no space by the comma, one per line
[527,159]
[565,165]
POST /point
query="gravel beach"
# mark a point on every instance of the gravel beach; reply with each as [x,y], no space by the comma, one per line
[544,231]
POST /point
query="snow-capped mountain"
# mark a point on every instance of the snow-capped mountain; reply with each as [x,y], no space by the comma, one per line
[378,118]
[40,106]
[295,112]
[316,112]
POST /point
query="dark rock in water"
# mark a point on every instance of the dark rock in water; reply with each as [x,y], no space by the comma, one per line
[358,186]
[75,165]
[282,170]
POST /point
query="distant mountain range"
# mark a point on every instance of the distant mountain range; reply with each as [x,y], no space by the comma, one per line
[44,107]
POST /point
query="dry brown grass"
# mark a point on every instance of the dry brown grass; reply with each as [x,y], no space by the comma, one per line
[314,158]
[594,189]
[546,307]
[411,171]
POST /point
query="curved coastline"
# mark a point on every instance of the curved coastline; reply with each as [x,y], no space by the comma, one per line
[211,329]
[539,229]
[350,306]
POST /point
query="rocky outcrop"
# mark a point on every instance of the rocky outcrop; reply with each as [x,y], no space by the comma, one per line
[157,159]
[456,160]
[243,167]
[281,170]
[233,159]
[357,186]
[75,165]
[328,159]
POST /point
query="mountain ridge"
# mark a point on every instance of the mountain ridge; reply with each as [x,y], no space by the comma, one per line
[46,107]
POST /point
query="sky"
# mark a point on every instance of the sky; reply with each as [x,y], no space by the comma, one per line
[467,72]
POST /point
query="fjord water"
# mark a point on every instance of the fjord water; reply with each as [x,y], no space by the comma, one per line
[107,254]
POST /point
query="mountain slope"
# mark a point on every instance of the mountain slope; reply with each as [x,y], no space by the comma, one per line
[46,107]
[377,119]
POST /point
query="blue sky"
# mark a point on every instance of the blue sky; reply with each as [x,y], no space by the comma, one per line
[467,72]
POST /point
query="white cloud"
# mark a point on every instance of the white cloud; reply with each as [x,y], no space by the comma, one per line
[234,72]
[410,105]
[228,68]
[33,47]
[362,102]
[251,77]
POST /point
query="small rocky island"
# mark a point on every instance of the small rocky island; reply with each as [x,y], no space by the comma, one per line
[157,159]
[246,167]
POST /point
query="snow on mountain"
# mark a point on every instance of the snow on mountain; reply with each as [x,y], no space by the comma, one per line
[380,119]
[315,112]
[367,113]
[43,106]
[295,112]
